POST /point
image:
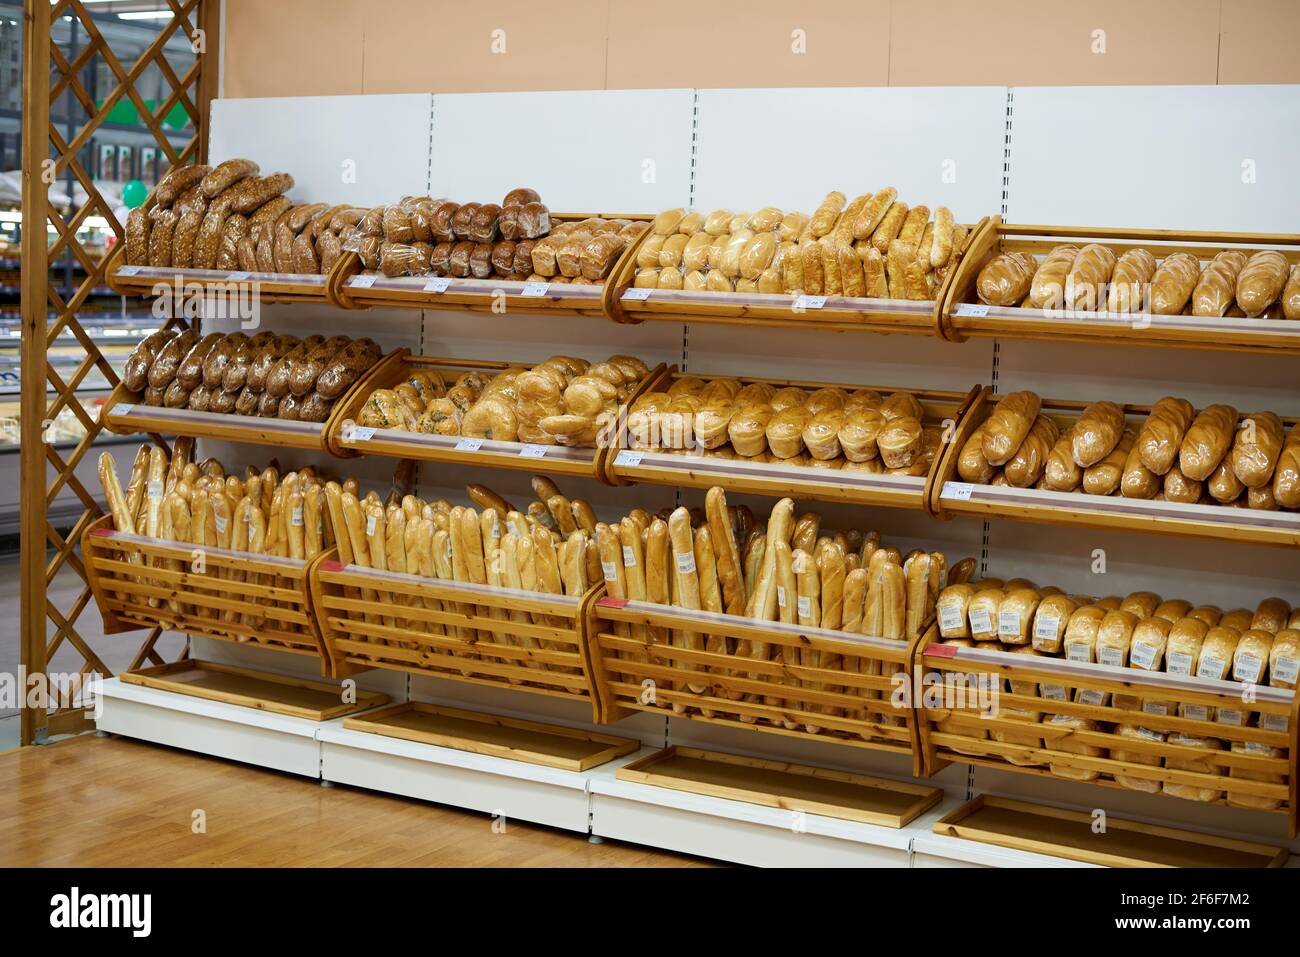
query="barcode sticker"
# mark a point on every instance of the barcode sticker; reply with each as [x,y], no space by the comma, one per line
[629,557]
[1092,697]
[809,302]
[685,562]
[1008,624]
[220,521]
[1178,663]
[155,489]
[295,517]
[1273,722]
[610,570]
[1053,693]
[438,284]
[1195,712]
[1143,656]
[532,452]
[1286,669]
[1212,666]
[1110,655]
[950,618]
[535,289]
[1247,668]
[974,309]
[469,445]
[780,596]
[1230,716]
[805,606]
[362,282]
[1046,628]
[960,491]
[370,524]
[628,457]
[361,433]
[981,622]
[1149,734]
[1155,707]
[636,295]
[1078,651]
[1254,747]
[494,530]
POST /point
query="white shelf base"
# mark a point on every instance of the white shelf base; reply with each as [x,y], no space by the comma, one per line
[210,727]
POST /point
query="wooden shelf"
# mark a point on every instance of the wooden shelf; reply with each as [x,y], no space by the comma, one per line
[548,745]
[949,495]
[1024,826]
[293,697]
[961,315]
[273,288]
[792,787]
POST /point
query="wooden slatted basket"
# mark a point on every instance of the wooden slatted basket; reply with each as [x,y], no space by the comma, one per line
[810,683]
[257,600]
[1154,732]
[949,495]
[529,641]
[961,315]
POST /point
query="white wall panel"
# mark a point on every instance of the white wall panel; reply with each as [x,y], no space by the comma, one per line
[790,147]
[1158,156]
[584,151]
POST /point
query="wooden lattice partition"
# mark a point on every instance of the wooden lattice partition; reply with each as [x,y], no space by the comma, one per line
[53,152]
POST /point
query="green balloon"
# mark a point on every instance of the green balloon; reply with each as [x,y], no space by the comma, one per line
[134,193]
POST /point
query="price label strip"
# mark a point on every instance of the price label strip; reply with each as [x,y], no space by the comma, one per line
[438,284]
[535,289]
[974,310]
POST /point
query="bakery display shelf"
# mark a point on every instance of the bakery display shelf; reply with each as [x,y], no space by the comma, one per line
[949,495]
[346,438]
[845,795]
[961,315]
[351,287]
[547,745]
[1071,834]
[263,691]
[810,683]
[261,601]
[125,414]
[625,303]
[263,287]
[625,466]
[1246,756]
[525,640]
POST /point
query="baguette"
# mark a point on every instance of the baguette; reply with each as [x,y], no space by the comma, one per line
[723,540]
[687,582]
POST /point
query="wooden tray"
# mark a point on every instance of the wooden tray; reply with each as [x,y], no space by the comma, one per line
[350,289]
[1260,772]
[295,697]
[949,495]
[274,288]
[125,414]
[1024,826]
[790,690]
[457,630]
[549,745]
[345,439]
[627,466]
[141,582]
[960,315]
[793,787]
[837,313]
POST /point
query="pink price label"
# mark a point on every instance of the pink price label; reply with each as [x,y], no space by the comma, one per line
[610,602]
[941,651]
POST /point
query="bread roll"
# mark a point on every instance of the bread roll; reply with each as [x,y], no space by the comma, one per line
[1005,279]
[1162,433]
[1097,432]
[1104,477]
[890,225]
[1216,289]
[1207,441]
[1026,467]
[825,215]
[1261,281]
[1132,273]
[1138,481]
[972,466]
[1286,474]
[873,212]
[1256,449]
[1047,289]
[1115,637]
[1008,425]
[1060,472]
[900,442]
[1173,282]
[1086,281]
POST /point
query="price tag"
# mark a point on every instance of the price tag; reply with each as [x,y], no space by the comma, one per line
[628,457]
[361,282]
[1149,734]
[957,490]
[533,452]
[805,606]
[981,623]
[295,517]
[1053,693]
[973,309]
[1285,669]
[438,284]
[129,271]
[629,557]
[469,445]
[1273,722]
[1111,656]
[1155,707]
[1247,668]
[1008,624]
[636,295]
[1211,666]
[361,433]
[238,276]
[809,302]
[370,524]
[1178,663]
[535,289]
[1143,656]
[1093,698]
[1078,651]
[1254,747]
[1195,712]
[123,408]
[950,618]
[155,489]
[1230,716]
[780,596]
[685,562]
[610,571]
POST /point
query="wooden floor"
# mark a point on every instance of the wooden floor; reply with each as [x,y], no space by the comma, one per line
[89,801]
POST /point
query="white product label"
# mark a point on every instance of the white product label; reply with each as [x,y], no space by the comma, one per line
[1008,624]
[238,277]
[1247,668]
[370,524]
[1061,719]
[1149,734]
[221,523]
[1155,707]
[1286,669]
[494,530]
[1211,666]
[128,270]
[1229,716]
[950,618]
[780,596]
[805,606]
[295,517]
[629,557]
[1273,722]
[981,622]
[960,491]
[469,445]
[362,282]
[155,489]
[1254,747]
[123,408]
[685,562]
[1111,656]
[1143,656]
[1046,628]
[628,457]
[610,571]
[1078,651]
[533,452]
[437,284]
[361,433]
[1195,712]
[636,295]
[1053,693]
[809,302]
[1092,697]
[535,289]
[975,309]
[1178,663]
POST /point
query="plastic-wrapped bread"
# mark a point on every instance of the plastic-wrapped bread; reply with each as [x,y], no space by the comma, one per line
[889,226]
[1179,488]
[1251,656]
[982,613]
[1005,279]
[1291,295]
[1047,288]
[825,215]
[1008,425]
[1104,477]
[951,609]
[1058,734]
[1060,472]
[1162,433]
[1115,637]
[1216,289]
[944,237]
[1085,283]
[1256,449]
[873,211]
[1261,281]
[972,466]
[1207,441]
[1137,733]
[1284,658]
[1173,282]
[1286,474]
[1051,619]
[1016,615]
[1217,651]
[1138,481]
[1026,467]
[1131,276]
[1205,765]
[900,442]
[1097,432]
